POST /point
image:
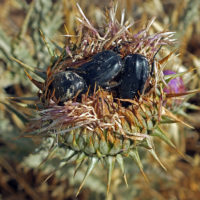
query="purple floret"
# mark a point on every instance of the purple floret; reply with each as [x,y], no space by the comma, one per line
[175,85]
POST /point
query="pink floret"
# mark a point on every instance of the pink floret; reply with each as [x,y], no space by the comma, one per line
[175,85]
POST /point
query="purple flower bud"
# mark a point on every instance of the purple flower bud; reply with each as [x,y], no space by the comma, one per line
[175,85]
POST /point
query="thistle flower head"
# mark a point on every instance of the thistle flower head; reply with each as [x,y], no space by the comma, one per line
[99,125]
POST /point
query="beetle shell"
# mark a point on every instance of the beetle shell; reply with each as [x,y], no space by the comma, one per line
[134,76]
[67,85]
[102,69]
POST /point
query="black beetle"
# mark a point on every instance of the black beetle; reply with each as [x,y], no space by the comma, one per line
[105,67]
[66,85]
[134,76]
[102,69]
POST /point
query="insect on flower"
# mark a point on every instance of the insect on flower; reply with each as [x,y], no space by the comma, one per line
[102,69]
[132,72]
[66,85]
[90,128]
[135,74]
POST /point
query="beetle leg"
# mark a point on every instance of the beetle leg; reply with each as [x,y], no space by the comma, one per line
[153,63]
[112,85]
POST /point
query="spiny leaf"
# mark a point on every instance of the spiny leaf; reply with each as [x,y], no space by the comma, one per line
[111,163]
[160,133]
[174,117]
[38,84]
[153,153]
[92,162]
[167,120]
[191,106]
[57,46]
[182,112]
[81,158]
[51,152]
[70,154]
[172,76]
[135,156]
[120,161]
[165,59]
[30,106]
[54,171]
[51,52]
[20,115]
[30,68]
[35,98]
[182,93]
